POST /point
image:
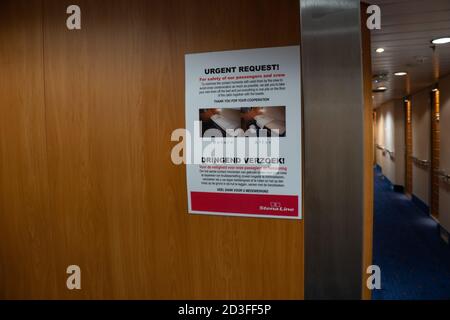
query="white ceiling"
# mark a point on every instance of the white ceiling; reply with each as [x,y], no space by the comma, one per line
[407,28]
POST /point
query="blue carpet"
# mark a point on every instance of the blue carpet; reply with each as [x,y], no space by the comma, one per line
[414,261]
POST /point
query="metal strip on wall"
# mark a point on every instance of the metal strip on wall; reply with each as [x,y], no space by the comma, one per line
[334,159]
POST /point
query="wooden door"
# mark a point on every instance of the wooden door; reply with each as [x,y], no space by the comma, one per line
[409,148]
[86,176]
[435,153]
[369,123]
[27,242]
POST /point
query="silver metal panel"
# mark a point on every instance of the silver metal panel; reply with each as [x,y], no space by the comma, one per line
[333,127]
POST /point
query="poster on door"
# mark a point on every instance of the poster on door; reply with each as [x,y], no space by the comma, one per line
[243,144]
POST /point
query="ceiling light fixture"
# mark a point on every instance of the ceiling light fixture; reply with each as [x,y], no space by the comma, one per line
[379,89]
[443,40]
[401,73]
[380,50]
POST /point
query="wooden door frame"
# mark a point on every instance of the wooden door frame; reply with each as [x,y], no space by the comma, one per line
[435,152]
[408,147]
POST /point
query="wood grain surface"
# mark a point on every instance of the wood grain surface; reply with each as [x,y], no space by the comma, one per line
[85,173]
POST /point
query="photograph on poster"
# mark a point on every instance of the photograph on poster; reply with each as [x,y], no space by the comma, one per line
[243,122]
[266,121]
[221,122]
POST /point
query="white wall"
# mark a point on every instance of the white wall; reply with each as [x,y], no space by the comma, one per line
[399,143]
[444,192]
[420,105]
[390,133]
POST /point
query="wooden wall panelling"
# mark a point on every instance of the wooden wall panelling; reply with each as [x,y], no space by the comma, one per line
[409,148]
[368,142]
[421,145]
[113,202]
[94,94]
[435,153]
[27,252]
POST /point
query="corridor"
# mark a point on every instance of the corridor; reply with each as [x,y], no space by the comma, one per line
[414,261]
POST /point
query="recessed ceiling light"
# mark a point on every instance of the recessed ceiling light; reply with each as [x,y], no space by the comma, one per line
[380,50]
[442,40]
[401,73]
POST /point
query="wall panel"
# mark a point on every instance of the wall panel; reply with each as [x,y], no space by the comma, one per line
[444,190]
[27,253]
[335,158]
[435,154]
[408,148]
[391,135]
[379,138]
[421,130]
[368,152]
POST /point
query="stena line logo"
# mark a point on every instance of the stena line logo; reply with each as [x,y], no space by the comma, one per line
[276,207]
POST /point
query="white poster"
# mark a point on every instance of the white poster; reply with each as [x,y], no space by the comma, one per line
[243,118]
